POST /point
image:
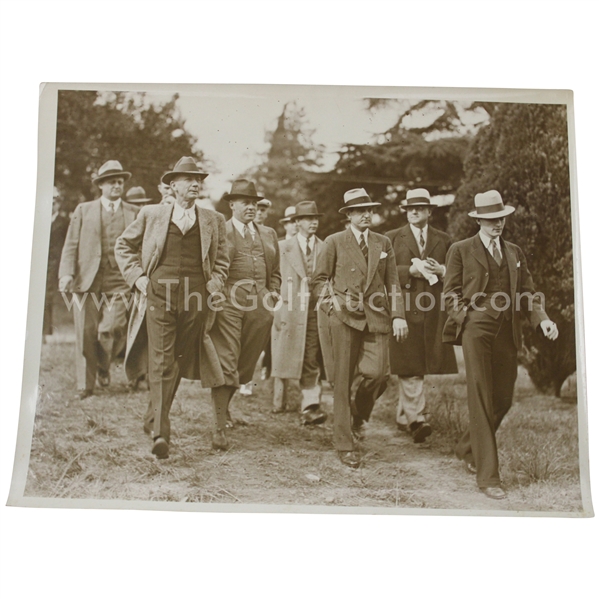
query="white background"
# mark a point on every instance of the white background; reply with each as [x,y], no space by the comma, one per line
[77,553]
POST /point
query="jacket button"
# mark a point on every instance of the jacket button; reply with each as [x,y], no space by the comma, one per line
[353,270]
[486,274]
[407,285]
[415,312]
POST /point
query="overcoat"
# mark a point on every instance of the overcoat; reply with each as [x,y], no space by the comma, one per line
[82,251]
[467,277]
[423,352]
[138,251]
[291,319]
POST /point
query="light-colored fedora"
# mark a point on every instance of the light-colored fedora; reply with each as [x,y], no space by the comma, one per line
[490,205]
[242,189]
[137,195]
[264,203]
[305,209]
[186,166]
[417,197]
[289,212]
[111,168]
[357,198]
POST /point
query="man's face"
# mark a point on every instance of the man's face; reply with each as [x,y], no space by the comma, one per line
[493,227]
[307,226]
[261,214]
[244,209]
[186,189]
[165,190]
[360,218]
[112,189]
[418,215]
[291,228]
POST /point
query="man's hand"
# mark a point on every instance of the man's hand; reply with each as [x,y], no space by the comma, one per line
[142,284]
[414,272]
[549,329]
[434,267]
[400,329]
[65,283]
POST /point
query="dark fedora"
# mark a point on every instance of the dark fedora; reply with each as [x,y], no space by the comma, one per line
[186,166]
[305,209]
[357,198]
[110,169]
[137,195]
[242,189]
[417,197]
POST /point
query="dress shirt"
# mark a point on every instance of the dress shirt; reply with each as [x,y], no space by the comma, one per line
[108,204]
[304,242]
[487,241]
[357,234]
[416,232]
[241,226]
[184,218]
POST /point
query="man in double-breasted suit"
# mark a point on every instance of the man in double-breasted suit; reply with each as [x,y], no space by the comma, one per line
[420,252]
[295,340]
[365,306]
[487,288]
[242,326]
[88,269]
[175,256]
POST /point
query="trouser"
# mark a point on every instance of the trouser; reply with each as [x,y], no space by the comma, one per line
[411,403]
[490,357]
[366,354]
[174,328]
[100,333]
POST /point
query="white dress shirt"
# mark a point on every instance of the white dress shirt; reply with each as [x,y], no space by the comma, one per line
[241,227]
[357,234]
[487,241]
[304,243]
[416,231]
[184,218]
[109,204]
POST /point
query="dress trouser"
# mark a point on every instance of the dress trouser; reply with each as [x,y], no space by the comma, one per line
[174,320]
[411,403]
[367,355]
[100,333]
[491,362]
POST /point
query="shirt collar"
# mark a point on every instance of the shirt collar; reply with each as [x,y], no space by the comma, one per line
[416,231]
[241,226]
[106,202]
[357,234]
[488,240]
[179,211]
[304,241]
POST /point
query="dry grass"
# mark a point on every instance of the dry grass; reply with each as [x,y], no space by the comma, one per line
[96,448]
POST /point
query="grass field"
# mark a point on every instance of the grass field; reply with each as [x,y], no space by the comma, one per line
[96,448]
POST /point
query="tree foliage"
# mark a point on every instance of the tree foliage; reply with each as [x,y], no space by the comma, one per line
[523,154]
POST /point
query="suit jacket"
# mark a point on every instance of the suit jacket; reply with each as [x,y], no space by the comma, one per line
[138,251]
[270,245]
[423,352]
[468,275]
[82,250]
[360,291]
[291,320]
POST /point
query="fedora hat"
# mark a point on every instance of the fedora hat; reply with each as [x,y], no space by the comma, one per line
[490,205]
[137,195]
[111,168]
[357,198]
[417,197]
[305,209]
[186,166]
[264,203]
[242,189]
[289,212]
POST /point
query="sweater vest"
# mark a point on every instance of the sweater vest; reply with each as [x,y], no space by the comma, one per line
[499,283]
[248,262]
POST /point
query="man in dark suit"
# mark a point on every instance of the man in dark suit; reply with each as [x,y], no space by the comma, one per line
[487,287]
[420,252]
[365,306]
[175,255]
[88,269]
[242,325]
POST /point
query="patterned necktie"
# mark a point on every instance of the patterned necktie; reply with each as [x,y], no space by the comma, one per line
[247,231]
[422,242]
[308,250]
[111,208]
[363,246]
[495,252]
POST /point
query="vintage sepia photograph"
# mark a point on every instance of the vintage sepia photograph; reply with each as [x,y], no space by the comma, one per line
[305,299]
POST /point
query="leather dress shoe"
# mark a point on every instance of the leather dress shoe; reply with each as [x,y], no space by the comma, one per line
[313,415]
[83,393]
[420,431]
[160,448]
[470,467]
[402,427]
[494,492]
[349,458]
[103,378]
[219,440]
[357,427]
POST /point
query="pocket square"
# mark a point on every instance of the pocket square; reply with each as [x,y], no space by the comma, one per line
[383,255]
[518,265]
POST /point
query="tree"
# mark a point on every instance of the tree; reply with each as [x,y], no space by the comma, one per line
[523,154]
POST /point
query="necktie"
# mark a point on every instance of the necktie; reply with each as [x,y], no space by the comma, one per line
[495,252]
[111,208]
[186,222]
[247,231]
[308,250]
[363,246]
[422,242]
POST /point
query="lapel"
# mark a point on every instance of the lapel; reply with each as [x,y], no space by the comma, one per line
[375,248]
[512,262]
[295,258]
[96,211]
[162,225]
[353,248]
[410,240]
[432,239]
[479,251]
[205,233]
[266,248]
[128,213]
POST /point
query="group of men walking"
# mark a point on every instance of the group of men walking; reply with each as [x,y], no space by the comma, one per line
[209,296]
